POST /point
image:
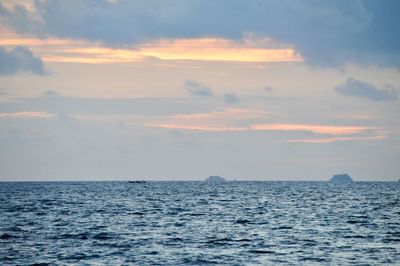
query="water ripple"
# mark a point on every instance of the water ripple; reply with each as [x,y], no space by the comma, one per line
[192,223]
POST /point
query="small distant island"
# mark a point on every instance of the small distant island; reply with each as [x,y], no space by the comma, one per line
[341,178]
[214,179]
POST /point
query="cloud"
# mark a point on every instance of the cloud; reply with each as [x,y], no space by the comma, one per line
[225,117]
[328,33]
[357,88]
[268,89]
[337,139]
[243,119]
[51,102]
[19,59]
[51,93]
[195,49]
[318,129]
[231,98]
[198,89]
[26,115]
[68,120]
[318,133]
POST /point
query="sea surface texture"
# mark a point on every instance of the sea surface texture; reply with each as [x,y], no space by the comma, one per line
[194,223]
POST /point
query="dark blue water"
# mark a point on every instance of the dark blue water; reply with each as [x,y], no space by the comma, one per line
[174,223]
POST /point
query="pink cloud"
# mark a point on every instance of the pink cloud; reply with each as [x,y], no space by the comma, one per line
[239,120]
[319,129]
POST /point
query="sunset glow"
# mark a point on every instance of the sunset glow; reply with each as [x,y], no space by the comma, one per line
[217,50]
[201,49]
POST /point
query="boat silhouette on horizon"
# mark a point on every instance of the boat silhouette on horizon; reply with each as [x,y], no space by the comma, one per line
[137,181]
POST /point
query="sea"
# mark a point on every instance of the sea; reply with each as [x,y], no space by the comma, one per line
[195,223]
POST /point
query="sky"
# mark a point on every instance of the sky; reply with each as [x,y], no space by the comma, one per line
[184,89]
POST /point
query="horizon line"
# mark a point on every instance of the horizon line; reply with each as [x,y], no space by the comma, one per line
[187,180]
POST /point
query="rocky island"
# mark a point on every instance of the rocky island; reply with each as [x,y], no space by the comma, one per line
[341,178]
[214,179]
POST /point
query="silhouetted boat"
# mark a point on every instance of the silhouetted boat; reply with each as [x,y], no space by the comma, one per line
[137,181]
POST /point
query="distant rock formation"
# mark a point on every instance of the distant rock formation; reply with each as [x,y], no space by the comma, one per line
[214,179]
[341,178]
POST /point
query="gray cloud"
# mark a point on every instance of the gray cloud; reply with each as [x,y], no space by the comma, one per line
[268,89]
[230,98]
[198,89]
[51,93]
[357,88]
[68,120]
[328,33]
[19,59]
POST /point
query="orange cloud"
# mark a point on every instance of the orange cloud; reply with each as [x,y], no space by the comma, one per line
[33,42]
[200,49]
[213,49]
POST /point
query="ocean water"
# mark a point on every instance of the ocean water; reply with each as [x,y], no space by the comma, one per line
[194,223]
